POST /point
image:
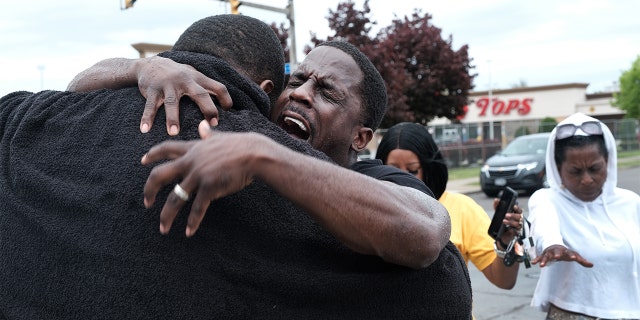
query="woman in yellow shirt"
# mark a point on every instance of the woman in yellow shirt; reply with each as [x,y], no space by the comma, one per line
[410,147]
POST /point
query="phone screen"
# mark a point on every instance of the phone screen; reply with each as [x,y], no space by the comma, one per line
[507,200]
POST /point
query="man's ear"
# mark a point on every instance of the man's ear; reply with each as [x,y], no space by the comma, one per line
[362,138]
[267,86]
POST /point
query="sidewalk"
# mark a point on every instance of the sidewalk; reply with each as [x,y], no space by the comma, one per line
[466,186]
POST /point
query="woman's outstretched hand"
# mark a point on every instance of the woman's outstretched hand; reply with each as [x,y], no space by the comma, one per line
[560,253]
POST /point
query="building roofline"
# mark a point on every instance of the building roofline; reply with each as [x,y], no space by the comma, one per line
[600,95]
[143,47]
[577,85]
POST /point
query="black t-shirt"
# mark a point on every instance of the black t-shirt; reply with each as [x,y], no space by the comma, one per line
[375,169]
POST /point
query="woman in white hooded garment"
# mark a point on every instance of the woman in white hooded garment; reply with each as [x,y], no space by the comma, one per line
[587,231]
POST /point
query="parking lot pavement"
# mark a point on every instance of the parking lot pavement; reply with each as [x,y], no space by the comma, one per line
[493,303]
[466,186]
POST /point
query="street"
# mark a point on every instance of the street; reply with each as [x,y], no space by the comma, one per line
[491,302]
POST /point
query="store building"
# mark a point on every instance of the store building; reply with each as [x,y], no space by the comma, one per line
[495,117]
[507,110]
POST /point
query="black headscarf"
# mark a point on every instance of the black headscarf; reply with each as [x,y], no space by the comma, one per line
[416,138]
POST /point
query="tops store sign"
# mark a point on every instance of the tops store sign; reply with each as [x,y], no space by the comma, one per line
[497,106]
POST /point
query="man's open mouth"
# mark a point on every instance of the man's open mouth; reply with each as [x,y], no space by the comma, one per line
[295,128]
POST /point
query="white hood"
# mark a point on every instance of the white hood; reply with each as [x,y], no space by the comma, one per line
[553,176]
[605,231]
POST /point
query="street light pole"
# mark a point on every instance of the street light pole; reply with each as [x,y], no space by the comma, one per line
[490,106]
[288,11]
[293,60]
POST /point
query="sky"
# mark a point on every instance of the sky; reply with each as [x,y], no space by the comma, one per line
[45,43]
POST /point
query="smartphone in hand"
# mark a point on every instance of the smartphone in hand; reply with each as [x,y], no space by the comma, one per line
[507,201]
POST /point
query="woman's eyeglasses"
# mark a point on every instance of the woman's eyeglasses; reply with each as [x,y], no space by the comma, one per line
[568,130]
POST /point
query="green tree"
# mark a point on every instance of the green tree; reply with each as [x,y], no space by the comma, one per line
[625,133]
[628,98]
[283,35]
[522,131]
[438,79]
[547,124]
[349,24]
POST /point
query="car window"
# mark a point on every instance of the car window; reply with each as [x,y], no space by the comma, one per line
[526,146]
[539,145]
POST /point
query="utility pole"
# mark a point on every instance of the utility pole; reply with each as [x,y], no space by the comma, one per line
[490,106]
[235,4]
[288,11]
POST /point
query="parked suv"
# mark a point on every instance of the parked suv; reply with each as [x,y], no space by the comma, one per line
[520,166]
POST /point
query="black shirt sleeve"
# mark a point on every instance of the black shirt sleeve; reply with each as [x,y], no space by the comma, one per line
[375,169]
